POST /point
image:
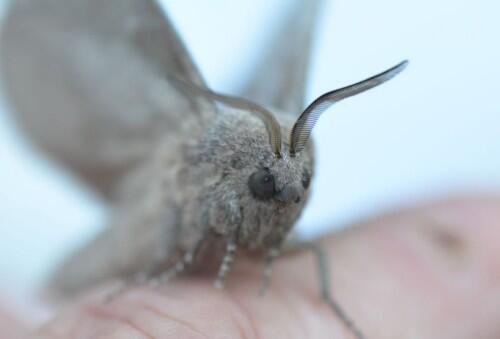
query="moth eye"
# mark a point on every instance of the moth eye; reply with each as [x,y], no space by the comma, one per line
[261,184]
[306,179]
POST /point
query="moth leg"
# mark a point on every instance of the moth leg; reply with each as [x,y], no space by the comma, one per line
[324,286]
[149,278]
[182,264]
[136,280]
[271,256]
[227,262]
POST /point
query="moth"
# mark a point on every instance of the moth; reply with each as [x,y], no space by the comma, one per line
[108,89]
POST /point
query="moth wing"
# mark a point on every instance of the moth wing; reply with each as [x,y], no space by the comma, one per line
[280,76]
[88,81]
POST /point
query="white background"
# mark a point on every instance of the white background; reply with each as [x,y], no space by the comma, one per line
[432,131]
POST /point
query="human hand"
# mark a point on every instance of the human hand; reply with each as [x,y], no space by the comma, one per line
[430,271]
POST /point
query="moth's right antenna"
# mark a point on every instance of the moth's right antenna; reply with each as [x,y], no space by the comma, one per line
[305,123]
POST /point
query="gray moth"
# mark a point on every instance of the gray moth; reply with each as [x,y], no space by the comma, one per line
[108,89]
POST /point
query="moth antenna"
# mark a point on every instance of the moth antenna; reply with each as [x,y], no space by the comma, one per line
[302,129]
[272,125]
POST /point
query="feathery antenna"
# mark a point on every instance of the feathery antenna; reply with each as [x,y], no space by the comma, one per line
[305,123]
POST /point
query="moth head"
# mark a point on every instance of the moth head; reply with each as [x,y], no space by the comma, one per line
[259,173]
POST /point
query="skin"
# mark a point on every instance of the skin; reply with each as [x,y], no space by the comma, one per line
[426,271]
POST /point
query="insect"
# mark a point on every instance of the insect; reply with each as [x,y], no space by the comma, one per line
[108,89]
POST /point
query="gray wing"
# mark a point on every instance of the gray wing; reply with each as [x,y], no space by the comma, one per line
[87,79]
[280,74]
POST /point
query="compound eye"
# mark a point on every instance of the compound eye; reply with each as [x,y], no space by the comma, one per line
[306,179]
[261,184]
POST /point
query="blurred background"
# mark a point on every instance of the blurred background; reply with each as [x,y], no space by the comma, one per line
[434,130]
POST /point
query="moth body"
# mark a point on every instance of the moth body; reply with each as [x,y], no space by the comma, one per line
[108,89]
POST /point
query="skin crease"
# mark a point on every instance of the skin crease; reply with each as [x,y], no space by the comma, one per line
[426,271]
